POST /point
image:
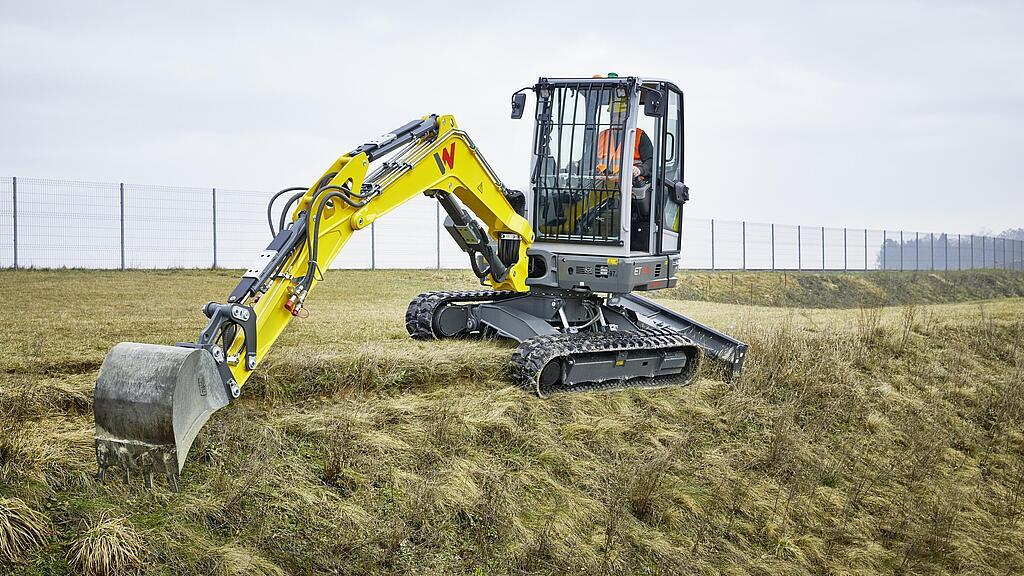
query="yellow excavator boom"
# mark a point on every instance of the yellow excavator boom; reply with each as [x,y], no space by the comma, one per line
[151,400]
[449,162]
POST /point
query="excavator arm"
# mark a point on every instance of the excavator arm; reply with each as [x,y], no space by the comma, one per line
[151,400]
[440,161]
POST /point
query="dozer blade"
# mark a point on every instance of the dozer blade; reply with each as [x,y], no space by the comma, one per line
[150,403]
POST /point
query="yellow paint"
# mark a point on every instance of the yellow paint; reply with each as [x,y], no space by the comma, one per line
[468,179]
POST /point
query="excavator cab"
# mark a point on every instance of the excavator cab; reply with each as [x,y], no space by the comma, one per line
[606,176]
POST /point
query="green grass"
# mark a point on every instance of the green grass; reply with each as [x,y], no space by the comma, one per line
[861,440]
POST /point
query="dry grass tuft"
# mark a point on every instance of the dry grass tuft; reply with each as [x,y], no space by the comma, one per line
[231,560]
[110,547]
[22,529]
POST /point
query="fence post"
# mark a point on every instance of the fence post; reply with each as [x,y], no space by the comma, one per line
[844,250]
[437,224]
[712,243]
[917,250]
[773,246]
[931,246]
[884,249]
[972,251]
[744,244]
[901,250]
[799,249]
[945,249]
[122,225]
[14,200]
[214,227]
[865,249]
[373,247]
[822,248]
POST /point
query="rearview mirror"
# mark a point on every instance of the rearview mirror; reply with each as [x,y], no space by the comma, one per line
[518,105]
[654,103]
[679,192]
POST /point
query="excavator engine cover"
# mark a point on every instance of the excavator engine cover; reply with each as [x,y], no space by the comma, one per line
[150,403]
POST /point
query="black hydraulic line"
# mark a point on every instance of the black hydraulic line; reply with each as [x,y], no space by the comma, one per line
[287,206]
[596,315]
[333,192]
[348,193]
[314,251]
[474,264]
[270,206]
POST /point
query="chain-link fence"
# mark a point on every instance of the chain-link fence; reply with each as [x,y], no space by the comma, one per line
[60,223]
[727,245]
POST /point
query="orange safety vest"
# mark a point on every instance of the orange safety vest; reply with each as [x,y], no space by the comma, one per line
[609,151]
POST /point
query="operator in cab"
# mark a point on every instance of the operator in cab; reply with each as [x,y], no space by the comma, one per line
[609,149]
[609,155]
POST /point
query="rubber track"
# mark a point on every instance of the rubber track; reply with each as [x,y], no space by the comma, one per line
[419,317]
[534,353]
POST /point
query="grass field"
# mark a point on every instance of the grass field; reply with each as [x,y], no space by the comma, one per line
[862,439]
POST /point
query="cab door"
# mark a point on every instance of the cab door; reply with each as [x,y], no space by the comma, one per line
[670,192]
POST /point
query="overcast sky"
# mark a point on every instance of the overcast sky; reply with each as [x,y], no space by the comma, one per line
[879,114]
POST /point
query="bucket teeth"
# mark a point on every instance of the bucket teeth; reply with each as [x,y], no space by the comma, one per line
[146,460]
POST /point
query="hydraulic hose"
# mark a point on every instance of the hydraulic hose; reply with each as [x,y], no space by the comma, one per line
[314,248]
[287,206]
[270,206]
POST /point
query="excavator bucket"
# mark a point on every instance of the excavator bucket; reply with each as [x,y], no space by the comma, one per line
[150,403]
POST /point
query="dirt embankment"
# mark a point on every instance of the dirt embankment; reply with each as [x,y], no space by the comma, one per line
[845,289]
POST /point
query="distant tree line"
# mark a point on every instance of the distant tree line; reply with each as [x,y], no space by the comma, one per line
[952,252]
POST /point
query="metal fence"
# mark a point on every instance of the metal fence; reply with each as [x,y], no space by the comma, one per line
[60,223]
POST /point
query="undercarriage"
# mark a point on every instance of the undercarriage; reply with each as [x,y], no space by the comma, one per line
[578,340]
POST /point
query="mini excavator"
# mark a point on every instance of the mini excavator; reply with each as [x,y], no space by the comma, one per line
[561,263]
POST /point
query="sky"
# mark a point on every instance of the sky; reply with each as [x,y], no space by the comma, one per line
[863,114]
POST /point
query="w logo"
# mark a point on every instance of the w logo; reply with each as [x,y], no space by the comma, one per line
[446,158]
